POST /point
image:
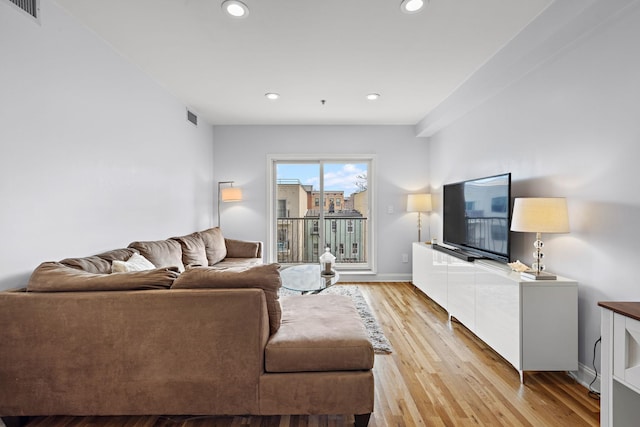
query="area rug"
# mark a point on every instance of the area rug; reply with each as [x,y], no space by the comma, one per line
[379,341]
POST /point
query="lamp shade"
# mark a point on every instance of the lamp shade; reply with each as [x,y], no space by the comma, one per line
[231,194]
[540,215]
[419,203]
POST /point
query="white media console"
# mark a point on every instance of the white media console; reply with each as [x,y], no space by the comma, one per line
[533,325]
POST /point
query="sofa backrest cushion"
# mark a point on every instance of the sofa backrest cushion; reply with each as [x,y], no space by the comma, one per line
[90,264]
[243,249]
[101,263]
[215,247]
[57,277]
[162,253]
[193,250]
[265,277]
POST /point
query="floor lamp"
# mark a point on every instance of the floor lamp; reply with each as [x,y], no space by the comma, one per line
[419,203]
[227,194]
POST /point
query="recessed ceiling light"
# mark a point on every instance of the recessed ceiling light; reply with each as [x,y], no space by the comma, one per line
[373,96]
[272,96]
[411,6]
[235,8]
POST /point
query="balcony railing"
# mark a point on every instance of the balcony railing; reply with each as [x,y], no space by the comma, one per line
[299,239]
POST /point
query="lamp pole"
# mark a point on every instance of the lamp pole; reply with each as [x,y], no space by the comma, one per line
[220,196]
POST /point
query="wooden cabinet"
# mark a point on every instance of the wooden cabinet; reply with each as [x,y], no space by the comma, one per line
[532,324]
[620,363]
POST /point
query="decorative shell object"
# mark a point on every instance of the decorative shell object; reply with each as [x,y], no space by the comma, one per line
[518,266]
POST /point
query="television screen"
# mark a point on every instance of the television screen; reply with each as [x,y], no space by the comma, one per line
[476,216]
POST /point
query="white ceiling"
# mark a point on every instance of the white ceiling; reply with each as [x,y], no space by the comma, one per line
[307,51]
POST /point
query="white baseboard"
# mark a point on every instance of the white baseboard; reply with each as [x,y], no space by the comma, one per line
[584,375]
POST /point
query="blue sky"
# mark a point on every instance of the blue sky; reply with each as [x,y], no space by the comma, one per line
[337,176]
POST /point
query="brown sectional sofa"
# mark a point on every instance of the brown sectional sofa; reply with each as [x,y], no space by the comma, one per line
[201,332]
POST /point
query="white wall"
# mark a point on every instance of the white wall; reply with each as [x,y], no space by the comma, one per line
[94,153]
[240,154]
[566,124]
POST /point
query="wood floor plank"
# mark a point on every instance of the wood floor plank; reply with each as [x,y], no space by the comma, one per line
[439,374]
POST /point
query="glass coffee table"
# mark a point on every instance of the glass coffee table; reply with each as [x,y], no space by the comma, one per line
[306,278]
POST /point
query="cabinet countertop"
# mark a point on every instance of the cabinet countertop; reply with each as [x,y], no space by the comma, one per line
[626,308]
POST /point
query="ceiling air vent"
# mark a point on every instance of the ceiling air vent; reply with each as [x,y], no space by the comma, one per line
[32,7]
[192,118]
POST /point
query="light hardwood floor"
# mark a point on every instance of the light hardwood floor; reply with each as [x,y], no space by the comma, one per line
[438,375]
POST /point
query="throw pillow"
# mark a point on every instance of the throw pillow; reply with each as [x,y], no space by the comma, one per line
[136,263]
[265,277]
[214,245]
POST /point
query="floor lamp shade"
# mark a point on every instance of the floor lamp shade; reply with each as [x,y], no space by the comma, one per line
[419,203]
[227,194]
[231,194]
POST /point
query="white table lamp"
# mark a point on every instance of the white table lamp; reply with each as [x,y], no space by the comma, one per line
[540,215]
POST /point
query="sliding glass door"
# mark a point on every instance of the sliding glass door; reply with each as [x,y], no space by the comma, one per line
[321,203]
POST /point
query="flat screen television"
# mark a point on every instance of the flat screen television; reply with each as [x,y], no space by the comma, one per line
[476,216]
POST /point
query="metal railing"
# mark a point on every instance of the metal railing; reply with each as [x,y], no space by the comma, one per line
[299,239]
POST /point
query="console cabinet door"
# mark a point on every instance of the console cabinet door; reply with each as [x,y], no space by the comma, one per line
[430,272]
[461,298]
[498,314]
[420,270]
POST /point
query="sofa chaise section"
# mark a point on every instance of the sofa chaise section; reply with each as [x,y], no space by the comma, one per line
[320,359]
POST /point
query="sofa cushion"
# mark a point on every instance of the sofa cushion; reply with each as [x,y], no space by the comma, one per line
[90,264]
[101,263]
[265,277]
[319,333]
[242,249]
[162,253]
[193,250]
[215,247]
[136,263]
[57,277]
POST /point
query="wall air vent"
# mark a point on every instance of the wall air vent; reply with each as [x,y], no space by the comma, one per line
[192,117]
[32,7]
